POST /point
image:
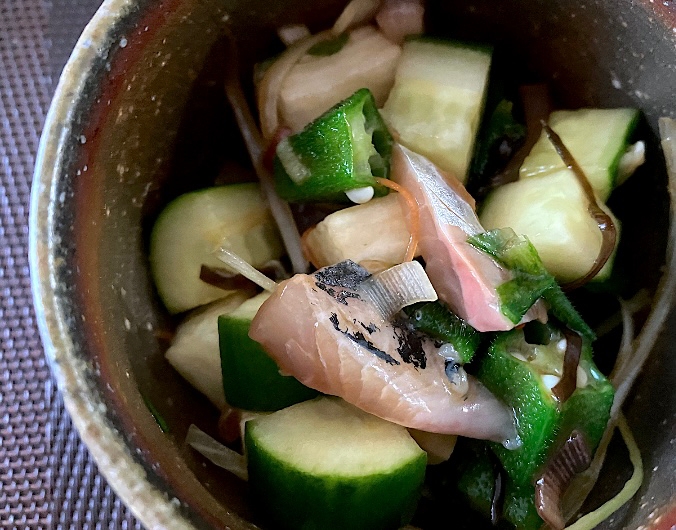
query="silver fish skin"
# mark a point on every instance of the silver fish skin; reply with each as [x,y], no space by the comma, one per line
[334,341]
[465,278]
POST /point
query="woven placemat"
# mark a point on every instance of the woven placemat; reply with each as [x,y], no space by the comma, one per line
[47,478]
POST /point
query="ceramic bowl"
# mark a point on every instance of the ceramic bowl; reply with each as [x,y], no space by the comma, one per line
[139,116]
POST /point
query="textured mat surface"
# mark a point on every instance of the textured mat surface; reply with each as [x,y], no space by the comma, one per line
[47,478]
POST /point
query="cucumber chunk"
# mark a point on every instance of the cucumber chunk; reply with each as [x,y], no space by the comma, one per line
[438,99]
[194,350]
[597,139]
[251,379]
[551,210]
[193,225]
[324,464]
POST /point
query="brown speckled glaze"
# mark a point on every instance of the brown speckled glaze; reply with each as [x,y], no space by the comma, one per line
[139,117]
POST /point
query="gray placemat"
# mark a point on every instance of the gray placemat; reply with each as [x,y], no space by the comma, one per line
[47,478]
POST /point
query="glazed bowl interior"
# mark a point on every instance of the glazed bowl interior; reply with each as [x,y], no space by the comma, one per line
[140,117]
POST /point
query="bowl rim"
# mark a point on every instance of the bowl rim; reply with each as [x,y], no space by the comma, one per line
[150,505]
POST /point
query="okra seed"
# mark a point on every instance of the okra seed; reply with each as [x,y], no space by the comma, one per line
[581,377]
[550,381]
[561,345]
[448,352]
[360,195]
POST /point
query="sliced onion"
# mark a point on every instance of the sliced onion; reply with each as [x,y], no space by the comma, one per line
[398,19]
[223,278]
[229,281]
[293,33]
[217,453]
[398,287]
[237,264]
[603,220]
[356,13]
[271,84]
[255,146]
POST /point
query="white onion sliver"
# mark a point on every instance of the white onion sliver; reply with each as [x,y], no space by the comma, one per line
[293,33]
[271,84]
[398,287]
[356,13]
[237,264]
[217,453]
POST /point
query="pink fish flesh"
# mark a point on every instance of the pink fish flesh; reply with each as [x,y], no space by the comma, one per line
[319,329]
[465,278]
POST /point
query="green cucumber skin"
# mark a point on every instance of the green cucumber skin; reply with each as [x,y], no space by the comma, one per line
[440,323]
[251,379]
[325,148]
[298,501]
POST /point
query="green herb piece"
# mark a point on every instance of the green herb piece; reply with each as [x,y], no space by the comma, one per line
[530,281]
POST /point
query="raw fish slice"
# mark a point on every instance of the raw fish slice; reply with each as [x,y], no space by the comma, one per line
[319,329]
[464,277]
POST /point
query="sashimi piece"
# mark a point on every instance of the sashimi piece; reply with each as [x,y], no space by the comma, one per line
[463,276]
[319,329]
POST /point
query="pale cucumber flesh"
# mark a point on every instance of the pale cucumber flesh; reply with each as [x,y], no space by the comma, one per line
[551,210]
[194,351]
[192,226]
[597,139]
[437,101]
